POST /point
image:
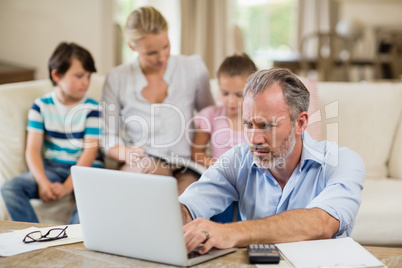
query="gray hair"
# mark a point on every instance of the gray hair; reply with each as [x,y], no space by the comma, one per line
[295,93]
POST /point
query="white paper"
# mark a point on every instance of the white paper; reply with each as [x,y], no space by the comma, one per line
[11,243]
[341,252]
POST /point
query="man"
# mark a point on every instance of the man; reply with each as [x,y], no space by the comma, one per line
[289,186]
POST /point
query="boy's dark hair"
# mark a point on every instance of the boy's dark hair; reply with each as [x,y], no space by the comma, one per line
[63,55]
[238,64]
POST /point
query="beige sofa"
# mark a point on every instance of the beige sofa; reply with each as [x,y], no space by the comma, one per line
[366,117]
[15,101]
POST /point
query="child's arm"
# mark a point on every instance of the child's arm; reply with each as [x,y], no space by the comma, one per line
[86,159]
[198,154]
[33,155]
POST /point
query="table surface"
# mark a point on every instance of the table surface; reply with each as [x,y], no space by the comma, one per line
[76,255]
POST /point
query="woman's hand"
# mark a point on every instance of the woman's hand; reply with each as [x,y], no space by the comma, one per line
[134,154]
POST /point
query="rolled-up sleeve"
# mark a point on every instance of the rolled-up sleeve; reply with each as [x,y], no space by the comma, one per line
[215,190]
[341,197]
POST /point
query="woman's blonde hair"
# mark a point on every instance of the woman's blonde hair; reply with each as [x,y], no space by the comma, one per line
[143,21]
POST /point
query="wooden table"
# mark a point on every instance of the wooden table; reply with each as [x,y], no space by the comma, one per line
[76,255]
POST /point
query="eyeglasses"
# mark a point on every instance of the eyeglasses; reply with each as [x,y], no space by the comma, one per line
[52,234]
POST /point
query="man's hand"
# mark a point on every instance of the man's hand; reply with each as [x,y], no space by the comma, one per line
[211,234]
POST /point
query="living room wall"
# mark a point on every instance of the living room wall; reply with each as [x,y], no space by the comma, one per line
[371,14]
[30,31]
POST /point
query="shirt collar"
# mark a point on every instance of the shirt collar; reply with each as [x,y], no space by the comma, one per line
[170,69]
[167,76]
[140,79]
[312,150]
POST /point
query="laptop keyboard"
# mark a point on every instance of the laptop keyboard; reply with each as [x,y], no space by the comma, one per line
[195,253]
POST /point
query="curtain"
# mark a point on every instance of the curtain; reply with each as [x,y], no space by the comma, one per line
[316,16]
[205,30]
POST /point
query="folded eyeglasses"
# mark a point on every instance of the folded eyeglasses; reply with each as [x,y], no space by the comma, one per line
[52,234]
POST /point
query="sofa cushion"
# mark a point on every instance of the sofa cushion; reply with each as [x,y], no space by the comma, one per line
[363,117]
[395,162]
[15,101]
[378,221]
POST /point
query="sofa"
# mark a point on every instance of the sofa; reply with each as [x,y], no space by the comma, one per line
[366,117]
[15,101]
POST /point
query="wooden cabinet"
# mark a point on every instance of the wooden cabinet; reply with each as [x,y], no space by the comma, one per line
[11,73]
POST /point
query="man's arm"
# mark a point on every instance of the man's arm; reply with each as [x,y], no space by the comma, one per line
[289,226]
[185,214]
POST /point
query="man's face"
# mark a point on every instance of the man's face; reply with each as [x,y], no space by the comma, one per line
[270,133]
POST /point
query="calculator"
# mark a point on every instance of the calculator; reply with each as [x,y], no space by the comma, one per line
[263,253]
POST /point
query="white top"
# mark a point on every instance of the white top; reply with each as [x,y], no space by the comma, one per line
[164,129]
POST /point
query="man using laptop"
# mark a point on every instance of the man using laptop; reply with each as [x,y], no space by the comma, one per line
[289,186]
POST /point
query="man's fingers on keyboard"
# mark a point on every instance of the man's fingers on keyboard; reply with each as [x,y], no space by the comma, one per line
[208,245]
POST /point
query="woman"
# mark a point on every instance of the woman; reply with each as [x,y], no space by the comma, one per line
[149,103]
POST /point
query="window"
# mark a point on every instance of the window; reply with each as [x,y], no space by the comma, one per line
[125,7]
[269,28]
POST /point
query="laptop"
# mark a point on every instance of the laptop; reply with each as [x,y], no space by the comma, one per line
[133,215]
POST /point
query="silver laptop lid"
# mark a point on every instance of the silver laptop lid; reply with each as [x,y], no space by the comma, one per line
[130,214]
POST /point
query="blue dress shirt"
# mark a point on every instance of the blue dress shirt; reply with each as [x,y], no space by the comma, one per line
[327,177]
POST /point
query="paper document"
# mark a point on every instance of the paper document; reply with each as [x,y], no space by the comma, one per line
[341,252]
[11,243]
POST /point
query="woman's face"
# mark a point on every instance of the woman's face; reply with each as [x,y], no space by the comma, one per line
[153,51]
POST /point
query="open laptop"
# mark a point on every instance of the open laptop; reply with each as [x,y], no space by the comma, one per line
[134,215]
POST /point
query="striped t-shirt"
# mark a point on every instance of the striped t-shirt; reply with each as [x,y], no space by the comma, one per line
[65,127]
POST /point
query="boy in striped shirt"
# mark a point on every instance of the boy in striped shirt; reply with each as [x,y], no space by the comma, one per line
[63,130]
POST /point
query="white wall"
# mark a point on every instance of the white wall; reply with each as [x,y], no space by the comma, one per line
[31,29]
[372,14]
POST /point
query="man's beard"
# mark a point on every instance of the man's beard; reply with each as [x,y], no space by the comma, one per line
[275,159]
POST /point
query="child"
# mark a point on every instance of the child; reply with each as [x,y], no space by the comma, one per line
[66,122]
[222,125]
